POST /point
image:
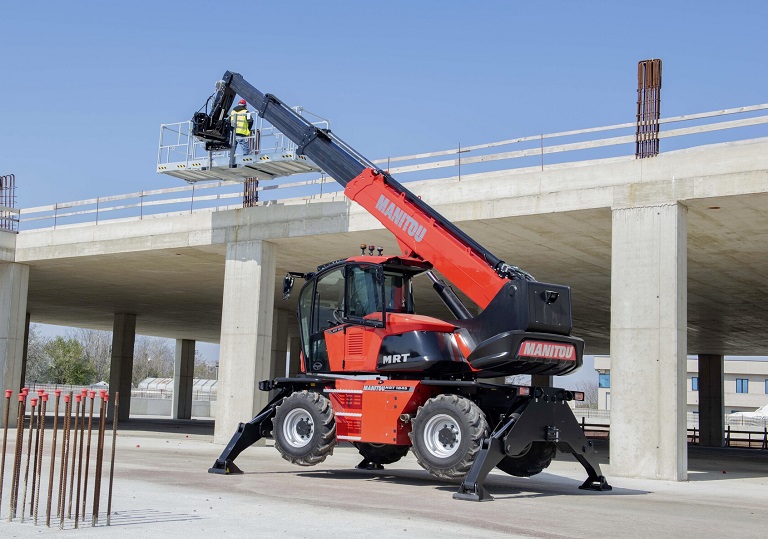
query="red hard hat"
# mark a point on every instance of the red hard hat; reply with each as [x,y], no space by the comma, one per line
[242,102]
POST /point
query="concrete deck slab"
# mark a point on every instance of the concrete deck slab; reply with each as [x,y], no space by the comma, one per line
[162,489]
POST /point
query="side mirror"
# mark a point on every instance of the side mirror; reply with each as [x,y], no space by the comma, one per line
[287,285]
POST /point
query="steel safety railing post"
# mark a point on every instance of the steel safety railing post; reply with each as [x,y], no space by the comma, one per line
[91,395]
[32,412]
[112,459]
[53,459]
[8,395]
[39,470]
[78,398]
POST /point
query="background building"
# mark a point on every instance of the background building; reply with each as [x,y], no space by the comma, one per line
[745,384]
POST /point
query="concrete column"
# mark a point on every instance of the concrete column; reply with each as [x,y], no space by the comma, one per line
[542,380]
[711,405]
[294,348]
[183,379]
[121,366]
[14,324]
[648,342]
[246,334]
[280,319]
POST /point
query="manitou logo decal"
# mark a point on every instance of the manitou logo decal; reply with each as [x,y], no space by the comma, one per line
[400,218]
[547,350]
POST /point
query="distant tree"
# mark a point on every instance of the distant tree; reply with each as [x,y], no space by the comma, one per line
[589,388]
[204,369]
[97,348]
[153,357]
[38,362]
[68,364]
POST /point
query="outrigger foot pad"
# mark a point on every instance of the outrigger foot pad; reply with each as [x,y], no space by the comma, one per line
[596,483]
[366,464]
[225,468]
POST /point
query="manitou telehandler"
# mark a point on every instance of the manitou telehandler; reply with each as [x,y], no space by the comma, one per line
[378,375]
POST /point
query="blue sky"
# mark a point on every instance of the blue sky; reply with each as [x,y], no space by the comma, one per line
[84,86]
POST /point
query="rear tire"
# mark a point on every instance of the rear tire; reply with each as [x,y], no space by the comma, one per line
[381,453]
[447,434]
[305,428]
[534,458]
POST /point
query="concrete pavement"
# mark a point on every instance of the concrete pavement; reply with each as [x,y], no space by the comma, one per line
[162,489]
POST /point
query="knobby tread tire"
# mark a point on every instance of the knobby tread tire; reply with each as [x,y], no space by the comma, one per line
[536,457]
[324,436]
[473,427]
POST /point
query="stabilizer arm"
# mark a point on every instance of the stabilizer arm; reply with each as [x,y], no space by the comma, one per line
[546,417]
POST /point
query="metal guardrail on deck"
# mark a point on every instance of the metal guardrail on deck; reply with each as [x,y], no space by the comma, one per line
[522,152]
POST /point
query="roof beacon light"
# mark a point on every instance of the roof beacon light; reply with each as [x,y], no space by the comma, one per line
[370,250]
[363,247]
[380,250]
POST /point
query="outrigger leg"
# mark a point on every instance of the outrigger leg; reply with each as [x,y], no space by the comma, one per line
[545,418]
[248,434]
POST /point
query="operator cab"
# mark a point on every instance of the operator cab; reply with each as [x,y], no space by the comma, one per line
[352,296]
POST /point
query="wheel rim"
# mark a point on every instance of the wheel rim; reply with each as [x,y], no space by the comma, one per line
[442,435]
[298,428]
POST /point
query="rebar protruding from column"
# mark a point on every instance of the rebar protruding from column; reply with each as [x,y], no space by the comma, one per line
[83,397]
[8,394]
[17,456]
[37,447]
[32,411]
[39,469]
[78,398]
[91,396]
[64,459]
[99,456]
[53,459]
[112,460]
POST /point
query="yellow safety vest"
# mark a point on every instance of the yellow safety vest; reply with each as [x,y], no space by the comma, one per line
[239,120]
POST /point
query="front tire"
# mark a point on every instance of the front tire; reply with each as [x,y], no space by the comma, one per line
[447,434]
[305,428]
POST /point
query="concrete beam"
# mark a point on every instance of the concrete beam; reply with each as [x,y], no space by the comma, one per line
[14,281]
[648,342]
[183,379]
[246,334]
[711,400]
[121,367]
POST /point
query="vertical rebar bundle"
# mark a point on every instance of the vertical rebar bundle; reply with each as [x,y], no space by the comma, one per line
[99,457]
[39,470]
[91,396]
[32,410]
[71,455]
[8,394]
[64,459]
[53,459]
[78,398]
[17,457]
[37,449]
[648,108]
[112,459]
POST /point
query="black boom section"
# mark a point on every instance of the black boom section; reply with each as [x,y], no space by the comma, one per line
[333,155]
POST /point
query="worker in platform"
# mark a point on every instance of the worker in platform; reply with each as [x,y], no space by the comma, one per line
[242,123]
